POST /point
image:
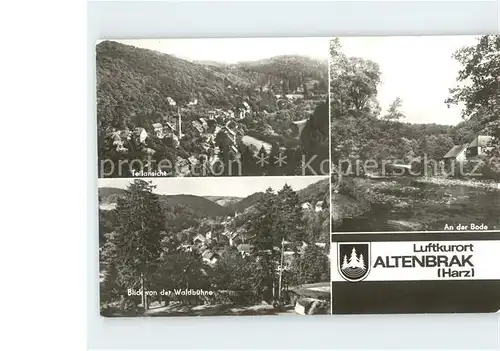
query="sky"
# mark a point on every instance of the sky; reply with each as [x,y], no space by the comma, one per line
[419,70]
[235,50]
[217,186]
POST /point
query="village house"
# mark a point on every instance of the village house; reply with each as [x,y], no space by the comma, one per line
[210,257]
[158,129]
[171,101]
[208,235]
[230,134]
[244,249]
[233,237]
[186,247]
[476,148]
[231,124]
[193,102]
[118,142]
[457,153]
[197,125]
[241,113]
[199,239]
[203,123]
[319,206]
[306,206]
[235,151]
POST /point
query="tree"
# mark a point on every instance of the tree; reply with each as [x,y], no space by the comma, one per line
[353,82]
[394,113]
[353,260]
[312,267]
[345,264]
[289,225]
[361,261]
[261,231]
[137,243]
[353,104]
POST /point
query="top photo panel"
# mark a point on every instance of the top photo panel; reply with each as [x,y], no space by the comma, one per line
[212,107]
[415,130]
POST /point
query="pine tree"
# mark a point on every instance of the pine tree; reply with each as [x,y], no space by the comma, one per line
[361,261]
[345,264]
[263,248]
[289,222]
[137,243]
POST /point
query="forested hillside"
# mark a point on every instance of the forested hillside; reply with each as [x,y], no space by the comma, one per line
[134,81]
[151,104]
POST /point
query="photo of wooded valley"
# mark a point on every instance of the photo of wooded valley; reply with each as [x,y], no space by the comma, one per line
[215,107]
[221,246]
[415,130]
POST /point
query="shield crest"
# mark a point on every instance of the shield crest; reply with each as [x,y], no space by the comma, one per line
[353,261]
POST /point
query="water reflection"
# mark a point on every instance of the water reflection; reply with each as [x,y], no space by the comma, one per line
[431,207]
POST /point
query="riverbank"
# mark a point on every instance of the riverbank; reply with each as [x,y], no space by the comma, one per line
[410,203]
[470,183]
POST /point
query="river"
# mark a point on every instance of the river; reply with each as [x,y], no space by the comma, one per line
[424,206]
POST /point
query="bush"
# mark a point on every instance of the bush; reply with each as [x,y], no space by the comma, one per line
[128,306]
[491,170]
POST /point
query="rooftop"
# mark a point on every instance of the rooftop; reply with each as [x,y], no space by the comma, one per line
[455,150]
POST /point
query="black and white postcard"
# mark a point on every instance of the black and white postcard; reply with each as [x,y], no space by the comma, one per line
[212,107]
[298,176]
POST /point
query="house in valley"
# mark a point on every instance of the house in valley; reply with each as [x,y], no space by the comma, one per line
[198,126]
[171,101]
[158,129]
[319,206]
[203,123]
[210,257]
[476,148]
[306,206]
[199,239]
[141,134]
